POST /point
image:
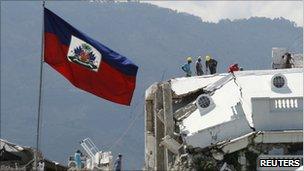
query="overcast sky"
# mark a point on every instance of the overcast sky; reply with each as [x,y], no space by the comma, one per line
[216,10]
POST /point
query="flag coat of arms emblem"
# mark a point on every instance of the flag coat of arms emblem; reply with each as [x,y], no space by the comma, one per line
[84,54]
[86,63]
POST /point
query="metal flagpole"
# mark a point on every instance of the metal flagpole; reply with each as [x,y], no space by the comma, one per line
[0,122]
[39,118]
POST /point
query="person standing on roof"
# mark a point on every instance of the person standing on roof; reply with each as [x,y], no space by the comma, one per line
[199,66]
[211,64]
[233,67]
[187,67]
[117,164]
[288,60]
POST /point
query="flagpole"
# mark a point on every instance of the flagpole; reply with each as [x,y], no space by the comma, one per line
[39,118]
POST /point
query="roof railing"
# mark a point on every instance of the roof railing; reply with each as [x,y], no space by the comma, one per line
[89,147]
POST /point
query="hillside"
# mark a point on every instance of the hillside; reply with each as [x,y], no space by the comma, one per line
[156,39]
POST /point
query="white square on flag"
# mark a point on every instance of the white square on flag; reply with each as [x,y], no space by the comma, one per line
[84,54]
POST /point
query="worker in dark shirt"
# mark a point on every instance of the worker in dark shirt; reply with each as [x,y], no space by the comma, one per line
[288,60]
[199,66]
[211,64]
[117,164]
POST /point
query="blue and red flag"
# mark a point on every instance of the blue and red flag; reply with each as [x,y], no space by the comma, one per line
[86,63]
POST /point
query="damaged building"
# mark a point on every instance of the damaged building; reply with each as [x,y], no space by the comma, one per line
[14,157]
[223,121]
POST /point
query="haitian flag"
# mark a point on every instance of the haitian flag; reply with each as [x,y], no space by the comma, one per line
[86,63]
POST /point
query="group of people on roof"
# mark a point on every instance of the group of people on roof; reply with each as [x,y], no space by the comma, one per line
[210,64]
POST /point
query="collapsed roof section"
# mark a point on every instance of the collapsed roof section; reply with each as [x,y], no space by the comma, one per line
[184,86]
[15,157]
[247,102]
[209,111]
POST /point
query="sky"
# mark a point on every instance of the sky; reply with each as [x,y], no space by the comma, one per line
[213,11]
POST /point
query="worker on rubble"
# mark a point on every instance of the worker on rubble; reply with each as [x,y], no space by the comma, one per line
[211,64]
[187,67]
[233,67]
[117,164]
[288,60]
[77,158]
[199,66]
